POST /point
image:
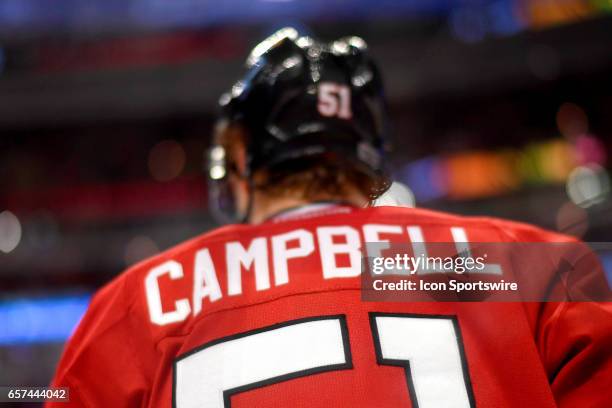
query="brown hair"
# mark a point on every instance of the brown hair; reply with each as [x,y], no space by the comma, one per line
[312,178]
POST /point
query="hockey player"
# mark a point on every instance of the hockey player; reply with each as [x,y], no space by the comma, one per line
[268,312]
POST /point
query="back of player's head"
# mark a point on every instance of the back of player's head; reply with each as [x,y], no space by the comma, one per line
[303,108]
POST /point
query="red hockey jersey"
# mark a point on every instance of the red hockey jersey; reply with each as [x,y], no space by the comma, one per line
[264,316]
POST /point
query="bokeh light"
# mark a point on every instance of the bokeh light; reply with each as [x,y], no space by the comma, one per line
[588,185]
[217,172]
[40,320]
[398,195]
[139,248]
[10,231]
[572,121]
[469,24]
[590,149]
[166,160]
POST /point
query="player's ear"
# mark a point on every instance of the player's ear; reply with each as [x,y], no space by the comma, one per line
[240,159]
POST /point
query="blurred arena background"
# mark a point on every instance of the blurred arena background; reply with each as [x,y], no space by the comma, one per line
[500,107]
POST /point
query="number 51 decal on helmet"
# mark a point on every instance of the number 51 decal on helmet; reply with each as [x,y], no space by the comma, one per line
[334,100]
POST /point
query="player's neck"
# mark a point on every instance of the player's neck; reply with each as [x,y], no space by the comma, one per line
[265,208]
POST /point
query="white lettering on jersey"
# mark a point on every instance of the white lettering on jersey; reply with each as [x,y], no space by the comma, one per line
[203,376]
[375,244]
[281,254]
[372,232]
[415,233]
[157,315]
[328,251]
[333,241]
[205,283]
[430,349]
[237,257]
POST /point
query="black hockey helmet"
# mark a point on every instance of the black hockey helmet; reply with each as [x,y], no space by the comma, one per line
[301,98]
